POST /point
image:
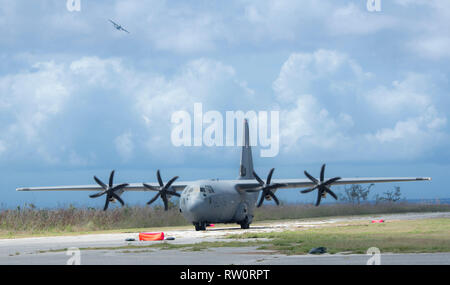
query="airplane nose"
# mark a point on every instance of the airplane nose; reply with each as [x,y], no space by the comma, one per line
[196,205]
[195,209]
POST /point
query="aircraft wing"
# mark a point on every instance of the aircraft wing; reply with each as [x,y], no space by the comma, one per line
[177,186]
[240,184]
[113,22]
[250,184]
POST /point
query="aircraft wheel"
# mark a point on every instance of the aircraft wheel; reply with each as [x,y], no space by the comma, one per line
[200,226]
[245,224]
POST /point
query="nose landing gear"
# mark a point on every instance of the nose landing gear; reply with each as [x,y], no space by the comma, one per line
[245,224]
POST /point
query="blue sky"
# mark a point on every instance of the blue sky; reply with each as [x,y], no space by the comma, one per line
[365,92]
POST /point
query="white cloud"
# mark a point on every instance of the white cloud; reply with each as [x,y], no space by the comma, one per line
[308,125]
[124,145]
[97,71]
[198,81]
[428,38]
[32,98]
[435,47]
[409,126]
[410,95]
[410,138]
[353,20]
[179,28]
[39,100]
[321,95]
[281,20]
[302,70]
[413,2]
[209,82]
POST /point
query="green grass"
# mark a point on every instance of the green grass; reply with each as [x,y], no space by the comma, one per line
[26,221]
[429,235]
[306,211]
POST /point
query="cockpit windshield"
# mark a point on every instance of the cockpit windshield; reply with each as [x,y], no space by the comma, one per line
[207,189]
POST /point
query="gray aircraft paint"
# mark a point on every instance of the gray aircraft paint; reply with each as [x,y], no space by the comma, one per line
[214,201]
[246,167]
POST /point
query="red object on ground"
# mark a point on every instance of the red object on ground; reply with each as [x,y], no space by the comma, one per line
[377,221]
[151,236]
[211,225]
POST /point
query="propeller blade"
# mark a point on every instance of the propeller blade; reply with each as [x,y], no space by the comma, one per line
[153,188]
[266,188]
[308,190]
[99,182]
[170,182]
[117,197]
[319,197]
[331,193]
[111,179]
[274,197]
[158,175]
[331,181]
[173,193]
[97,194]
[322,172]
[258,179]
[106,203]
[314,180]
[118,187]
[269,177]
[163,190]
[321,186]
[154,198]
[109,190]
[166,202]
[261,200]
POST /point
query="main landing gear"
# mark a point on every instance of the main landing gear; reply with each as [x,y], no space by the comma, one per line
[200,226]
[245,224]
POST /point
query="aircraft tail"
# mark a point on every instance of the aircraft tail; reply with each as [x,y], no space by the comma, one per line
[246,167]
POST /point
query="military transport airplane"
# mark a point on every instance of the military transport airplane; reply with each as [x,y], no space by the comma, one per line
[222,201]
[118,27]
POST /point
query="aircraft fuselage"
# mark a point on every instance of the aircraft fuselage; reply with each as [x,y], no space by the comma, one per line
[213,201]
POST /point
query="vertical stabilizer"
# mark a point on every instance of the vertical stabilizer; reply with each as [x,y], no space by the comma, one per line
[246,169]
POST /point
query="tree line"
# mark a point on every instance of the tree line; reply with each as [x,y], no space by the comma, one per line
[356,194]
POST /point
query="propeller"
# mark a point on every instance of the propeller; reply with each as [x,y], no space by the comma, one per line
[163,190]
[266,187]
[321,186]
[109,190]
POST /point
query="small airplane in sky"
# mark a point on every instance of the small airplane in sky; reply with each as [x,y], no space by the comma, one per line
[222,201]
[118,27]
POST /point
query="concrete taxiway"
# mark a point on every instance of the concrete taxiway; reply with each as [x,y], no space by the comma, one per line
[51,250]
